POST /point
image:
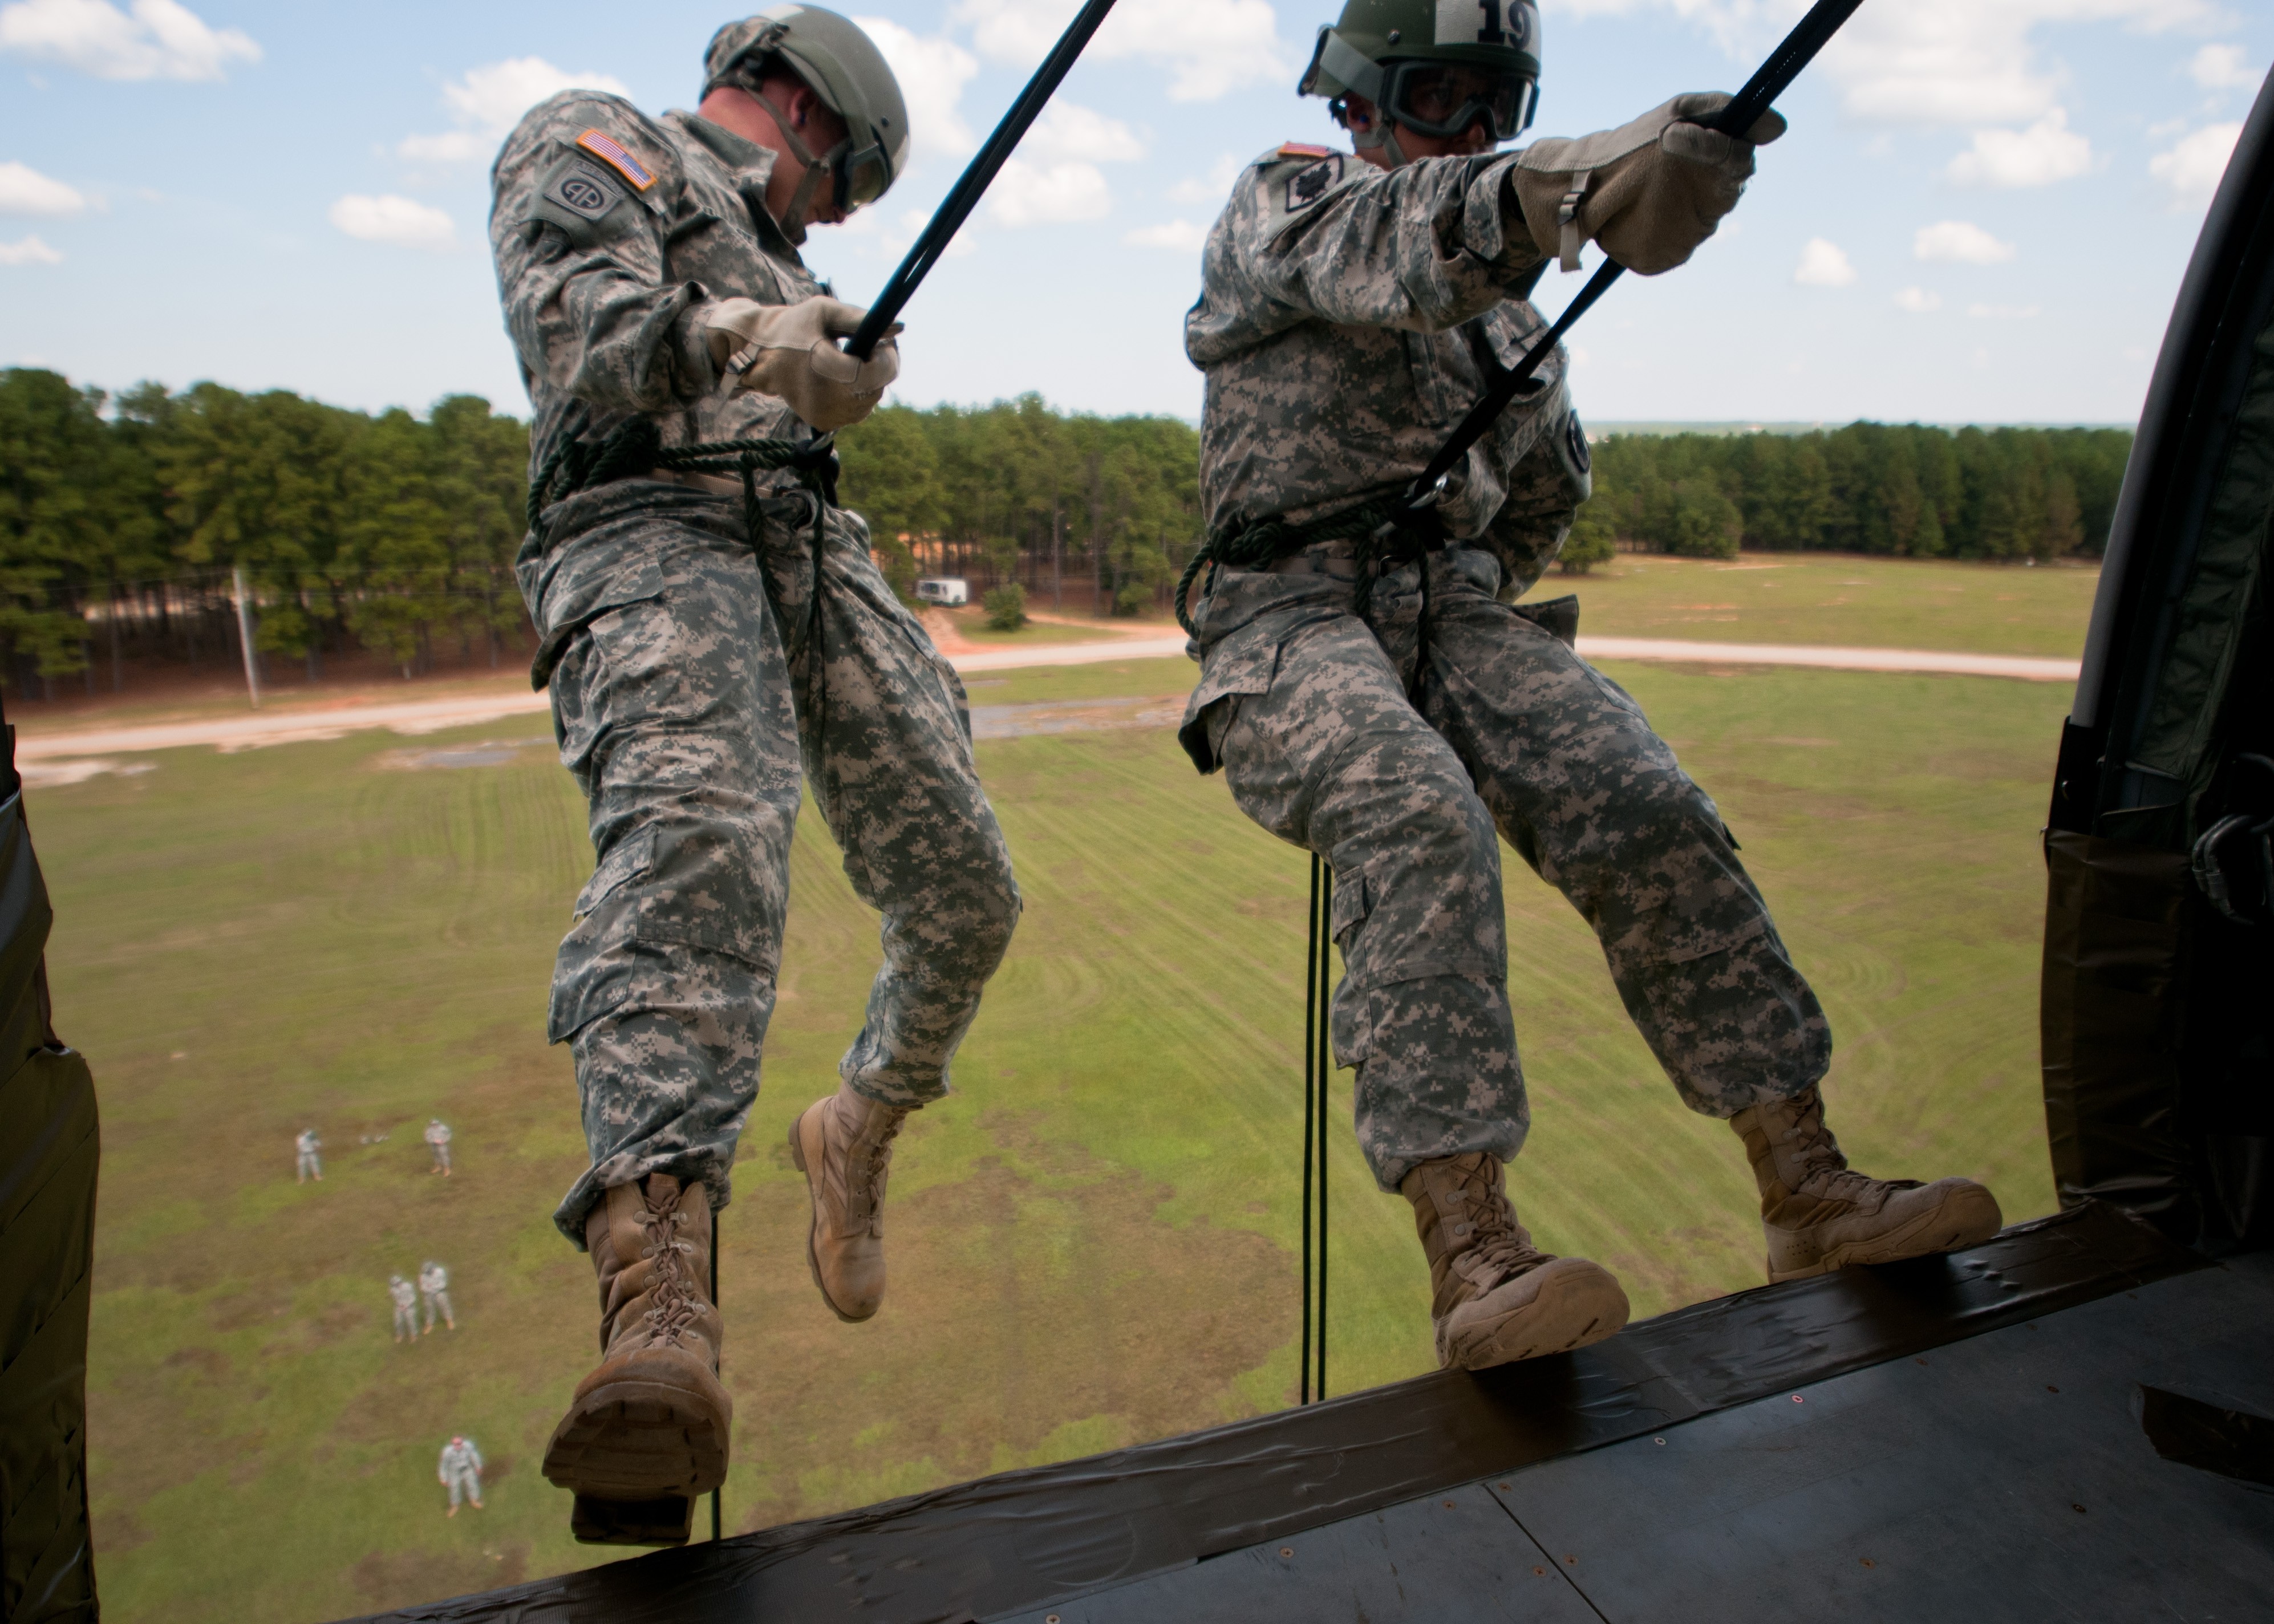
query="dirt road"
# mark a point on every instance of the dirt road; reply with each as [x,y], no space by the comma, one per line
[286,725]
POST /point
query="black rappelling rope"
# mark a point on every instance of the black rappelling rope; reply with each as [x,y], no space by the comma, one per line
[715,1309]
[964,196]
[1317,989]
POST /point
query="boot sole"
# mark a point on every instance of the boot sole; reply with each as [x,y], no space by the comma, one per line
[1578,1303]
[1967,1218]
[639,1440]
[668,1521]
[813,1229]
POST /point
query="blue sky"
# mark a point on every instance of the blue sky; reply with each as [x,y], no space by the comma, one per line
[1981,213]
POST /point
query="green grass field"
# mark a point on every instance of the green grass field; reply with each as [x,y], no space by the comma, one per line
[1091,1240]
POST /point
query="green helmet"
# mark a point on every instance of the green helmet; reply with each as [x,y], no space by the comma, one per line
[842,66]
[1435,66]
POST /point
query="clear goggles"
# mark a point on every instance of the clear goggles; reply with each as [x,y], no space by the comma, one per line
[1448,99]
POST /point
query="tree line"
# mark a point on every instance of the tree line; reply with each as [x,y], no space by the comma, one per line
[1868,487]
[1089,513]
[127,522]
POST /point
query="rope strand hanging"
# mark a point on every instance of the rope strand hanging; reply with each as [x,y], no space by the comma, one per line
[1318,1067]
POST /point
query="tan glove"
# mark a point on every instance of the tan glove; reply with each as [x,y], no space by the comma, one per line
[1649,192]
[790,350]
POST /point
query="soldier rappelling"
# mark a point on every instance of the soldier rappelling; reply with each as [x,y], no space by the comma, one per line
[1374,692]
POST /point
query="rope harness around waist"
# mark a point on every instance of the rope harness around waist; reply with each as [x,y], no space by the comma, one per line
[1394,534]
[635,447]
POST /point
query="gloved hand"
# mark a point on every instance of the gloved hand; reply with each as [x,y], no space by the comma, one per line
[790,350]
[1649,192]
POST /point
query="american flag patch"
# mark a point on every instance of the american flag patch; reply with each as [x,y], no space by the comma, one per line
[611,152]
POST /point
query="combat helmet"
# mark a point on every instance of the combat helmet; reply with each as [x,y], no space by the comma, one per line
[842,66]
[1435,66]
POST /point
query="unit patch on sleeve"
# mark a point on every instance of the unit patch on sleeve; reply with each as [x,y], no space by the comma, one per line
[610,151]
[1306,186]
[1303,149]
[584,187]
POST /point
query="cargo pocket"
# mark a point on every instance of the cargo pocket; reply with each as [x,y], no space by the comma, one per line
[569,612]
[1244,663]
[590,978]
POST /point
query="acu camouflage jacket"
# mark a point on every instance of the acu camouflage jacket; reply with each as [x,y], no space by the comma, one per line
[1348,317]
[612,232]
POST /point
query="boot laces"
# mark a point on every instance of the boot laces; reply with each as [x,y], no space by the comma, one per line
[672,1303]
[867,1163]
[1501,1250]
[1827,1176]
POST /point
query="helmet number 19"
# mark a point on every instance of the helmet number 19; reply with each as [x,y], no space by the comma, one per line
[1458,23]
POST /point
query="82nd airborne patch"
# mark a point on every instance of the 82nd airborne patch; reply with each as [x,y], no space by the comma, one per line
[584,187]
[1307,185]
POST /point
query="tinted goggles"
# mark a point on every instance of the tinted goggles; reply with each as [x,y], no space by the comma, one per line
[860,174]
[1443,99]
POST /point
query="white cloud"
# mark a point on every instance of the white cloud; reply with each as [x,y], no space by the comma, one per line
[1927,61]
[1180,234]
[25,191]
[1215,185]
[2003,312]
[489,100]
[1070,133]
[2221,67]
[1028,194]
[2193,167]
[160,39]
[1824,264]
[1959,242]
[31,251]
[1210,47]
[2046,152]
[1972,62]
[1918,301]
[394,220]
[932,72]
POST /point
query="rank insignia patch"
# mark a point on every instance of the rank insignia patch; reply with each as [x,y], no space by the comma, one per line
[610,151]
[1306,186]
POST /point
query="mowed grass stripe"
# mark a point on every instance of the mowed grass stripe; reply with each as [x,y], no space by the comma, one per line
[1091,1240]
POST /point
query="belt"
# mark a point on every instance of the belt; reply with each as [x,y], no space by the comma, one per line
[715,485]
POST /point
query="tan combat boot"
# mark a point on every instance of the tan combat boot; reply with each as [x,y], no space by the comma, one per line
[843,1145]
[652,1419]
[1819,1216]
[1497,1297]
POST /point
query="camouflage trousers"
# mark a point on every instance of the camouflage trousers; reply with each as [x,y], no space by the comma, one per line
[685,716]
[1302,701]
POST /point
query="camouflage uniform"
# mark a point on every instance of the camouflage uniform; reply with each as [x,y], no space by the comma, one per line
[434,1292]
[673,648]
[309,1163]
[438,1138]
[406,1298]
[1347,318]
[459,1470]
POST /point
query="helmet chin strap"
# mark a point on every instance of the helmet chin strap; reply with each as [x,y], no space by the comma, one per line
[816,169]
[1378,133]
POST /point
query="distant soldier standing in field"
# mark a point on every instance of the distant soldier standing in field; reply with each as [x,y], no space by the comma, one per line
[406,1297]
[460,1472]
[438,1138]
[434,1292]
[702,639]
[311,1165]
[1353,305]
